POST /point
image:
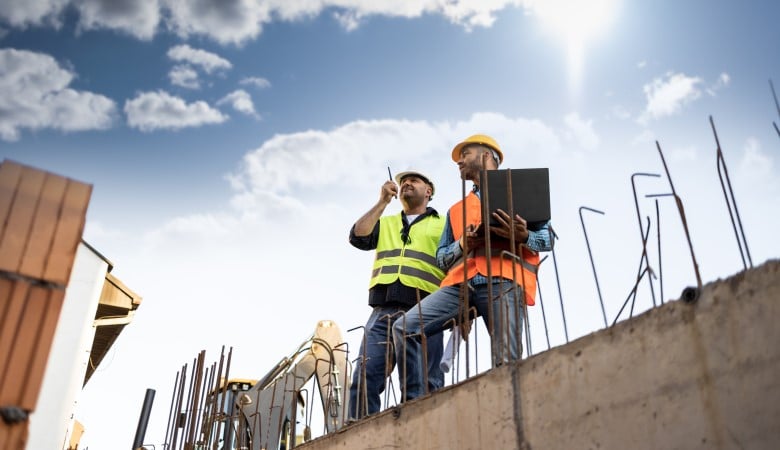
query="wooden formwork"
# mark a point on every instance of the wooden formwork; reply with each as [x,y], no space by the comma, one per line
[42,218]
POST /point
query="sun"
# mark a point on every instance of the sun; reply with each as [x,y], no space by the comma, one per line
[576,22]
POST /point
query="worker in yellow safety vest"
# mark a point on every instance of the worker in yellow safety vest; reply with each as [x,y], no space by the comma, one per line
[404,272]
[470,274]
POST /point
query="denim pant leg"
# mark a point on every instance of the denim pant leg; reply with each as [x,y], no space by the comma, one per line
[376,348]
[434,311]
[508,316]
[435,353]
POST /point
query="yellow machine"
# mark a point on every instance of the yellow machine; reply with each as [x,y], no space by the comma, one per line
[244,414]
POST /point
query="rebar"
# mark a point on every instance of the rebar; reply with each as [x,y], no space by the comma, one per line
[541,304]
[592,265]
[681,210]
[730,200]
[777,105]
[641,230]
[558,282]
[640,273]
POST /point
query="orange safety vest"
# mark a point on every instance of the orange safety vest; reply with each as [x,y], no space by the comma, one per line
[524,271]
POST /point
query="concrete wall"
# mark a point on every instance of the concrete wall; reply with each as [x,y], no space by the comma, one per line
[682,376]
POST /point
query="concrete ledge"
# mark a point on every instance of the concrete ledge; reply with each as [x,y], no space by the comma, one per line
[681,376]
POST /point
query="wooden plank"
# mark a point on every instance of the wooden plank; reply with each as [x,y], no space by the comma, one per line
[52,305]
[6,287]
[43,226]
[15,299]
[10,173]
[14,437]
[17,231]
[24,342]
[69,230]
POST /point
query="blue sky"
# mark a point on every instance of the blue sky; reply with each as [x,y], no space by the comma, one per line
[231,145]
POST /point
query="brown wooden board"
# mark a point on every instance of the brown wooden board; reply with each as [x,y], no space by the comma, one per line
[17,231]
[14,300]
[43,227]
[10,173]
[13,437]
[51,300]
[24,343]
[68,234]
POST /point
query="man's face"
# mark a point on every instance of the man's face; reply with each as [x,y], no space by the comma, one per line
[414,189]
[471,160]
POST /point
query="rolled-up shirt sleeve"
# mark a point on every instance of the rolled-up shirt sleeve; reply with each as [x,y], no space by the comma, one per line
[364,242]
[540,240]
[449,249]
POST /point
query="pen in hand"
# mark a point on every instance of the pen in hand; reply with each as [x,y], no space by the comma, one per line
[389,174]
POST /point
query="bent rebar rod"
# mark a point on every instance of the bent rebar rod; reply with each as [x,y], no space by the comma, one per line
[593,266]
[658,222]
[777,105]
[541,303]
[642,231]
[681,210]
[721,162]
[558,281]
[640,273]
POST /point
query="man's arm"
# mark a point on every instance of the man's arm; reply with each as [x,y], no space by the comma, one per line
[365,224]
[540,240]
[365,232]
[449,249]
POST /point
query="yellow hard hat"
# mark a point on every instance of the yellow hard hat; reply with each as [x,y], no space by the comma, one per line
[481,139]
[400,177]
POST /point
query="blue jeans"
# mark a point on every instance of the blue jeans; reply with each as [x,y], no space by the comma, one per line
[441,307]
[377,353]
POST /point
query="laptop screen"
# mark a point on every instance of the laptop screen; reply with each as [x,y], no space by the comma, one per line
[529,194]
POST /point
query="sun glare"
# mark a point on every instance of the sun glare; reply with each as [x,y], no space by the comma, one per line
[576,22]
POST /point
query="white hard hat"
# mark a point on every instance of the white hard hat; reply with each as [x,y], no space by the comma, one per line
[400,177]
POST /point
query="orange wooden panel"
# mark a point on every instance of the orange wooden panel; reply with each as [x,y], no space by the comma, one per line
[14,437]
[14,300]
[10,173]
[14,239]
[43,226]
[69,231]
[52,305]
[6,286]
[25,342]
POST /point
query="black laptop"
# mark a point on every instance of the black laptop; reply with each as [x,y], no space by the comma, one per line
[530,194]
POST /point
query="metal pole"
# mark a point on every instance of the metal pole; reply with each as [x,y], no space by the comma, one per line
[143,420]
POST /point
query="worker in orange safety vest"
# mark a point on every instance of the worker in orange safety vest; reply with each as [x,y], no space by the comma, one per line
[511,282]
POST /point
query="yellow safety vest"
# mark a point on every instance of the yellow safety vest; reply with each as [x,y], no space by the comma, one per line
[414,264]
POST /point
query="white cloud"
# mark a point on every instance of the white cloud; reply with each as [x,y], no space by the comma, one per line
[582,131]
[679,154]
[300,173]
[231,22]
[207,61]
[236,22]
[151,111]
[754,162]
[258,82]
[34,94]
[23,13]
[723,80]
[241,101]
[641,64]
[646,137]
[666,97]
[138,18]
[184,76]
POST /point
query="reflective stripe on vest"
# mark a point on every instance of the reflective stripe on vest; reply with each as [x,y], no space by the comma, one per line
[523,270]
[414,264]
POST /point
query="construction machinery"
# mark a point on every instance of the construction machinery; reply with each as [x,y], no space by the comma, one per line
[274,412]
